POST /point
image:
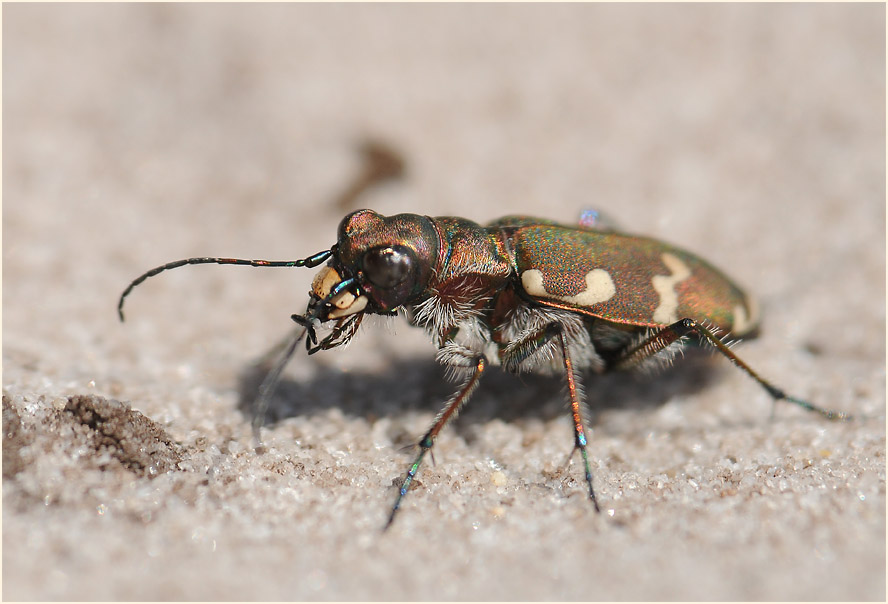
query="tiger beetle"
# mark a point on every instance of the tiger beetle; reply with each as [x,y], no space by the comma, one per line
[528,294]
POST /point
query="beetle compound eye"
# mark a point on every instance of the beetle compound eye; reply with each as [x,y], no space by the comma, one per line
[387,267]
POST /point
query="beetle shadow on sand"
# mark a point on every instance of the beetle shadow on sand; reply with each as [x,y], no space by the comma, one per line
[419,385]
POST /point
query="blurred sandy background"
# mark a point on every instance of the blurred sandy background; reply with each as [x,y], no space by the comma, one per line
[753,135]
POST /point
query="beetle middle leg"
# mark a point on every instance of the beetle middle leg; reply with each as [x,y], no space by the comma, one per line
[447,413]
[661,339]
[518,352]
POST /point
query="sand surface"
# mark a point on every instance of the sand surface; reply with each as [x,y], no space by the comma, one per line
[138,134]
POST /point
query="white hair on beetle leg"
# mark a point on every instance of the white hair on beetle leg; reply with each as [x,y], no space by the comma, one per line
[526,321]
[660,360]
[458,360]
[438,316]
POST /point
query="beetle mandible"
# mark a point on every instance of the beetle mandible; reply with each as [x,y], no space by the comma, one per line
[529,294]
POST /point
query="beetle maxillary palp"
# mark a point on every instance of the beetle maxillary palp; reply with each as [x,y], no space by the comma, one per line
[310,324]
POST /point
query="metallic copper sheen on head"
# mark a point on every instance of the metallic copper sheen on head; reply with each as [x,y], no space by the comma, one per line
[394,254]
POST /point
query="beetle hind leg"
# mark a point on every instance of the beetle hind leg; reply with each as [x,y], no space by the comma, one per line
[670,334]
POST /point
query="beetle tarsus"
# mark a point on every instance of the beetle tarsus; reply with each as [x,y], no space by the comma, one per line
[408,480]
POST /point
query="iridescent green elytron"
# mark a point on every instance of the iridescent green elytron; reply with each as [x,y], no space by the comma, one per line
[525,293]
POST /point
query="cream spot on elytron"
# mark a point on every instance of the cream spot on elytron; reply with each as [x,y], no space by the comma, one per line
[744,322]
[599,287]
[664,285]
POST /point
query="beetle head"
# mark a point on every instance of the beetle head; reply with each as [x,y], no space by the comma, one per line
[378,264]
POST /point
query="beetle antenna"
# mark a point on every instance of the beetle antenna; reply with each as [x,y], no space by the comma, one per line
[310,262]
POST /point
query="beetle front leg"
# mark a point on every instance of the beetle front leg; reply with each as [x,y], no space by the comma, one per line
[661,339]
[518,352]
[284,351]
[449,412]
